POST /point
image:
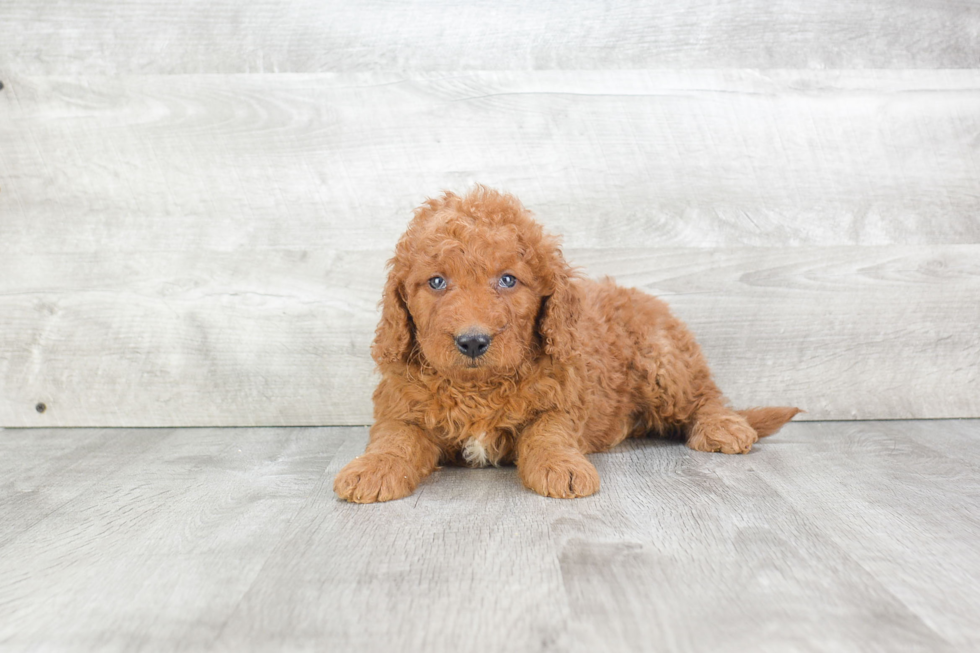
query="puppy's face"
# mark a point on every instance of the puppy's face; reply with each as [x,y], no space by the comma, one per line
[473,294]
[475,288]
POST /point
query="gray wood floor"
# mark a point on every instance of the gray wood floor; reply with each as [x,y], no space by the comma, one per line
[842,536]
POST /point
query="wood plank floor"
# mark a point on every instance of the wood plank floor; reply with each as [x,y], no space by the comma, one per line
[842,536]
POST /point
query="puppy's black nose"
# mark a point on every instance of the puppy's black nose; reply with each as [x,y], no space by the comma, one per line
[473,345]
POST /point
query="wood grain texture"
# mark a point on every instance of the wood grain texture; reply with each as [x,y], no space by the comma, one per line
[890,477]
[280,337]
[826,537]
[199,338]
[150,538]
[609,159]
[181,36]
[42,471]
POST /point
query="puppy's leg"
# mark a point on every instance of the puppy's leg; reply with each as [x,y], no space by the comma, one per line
[397,458]
[679,391]
[718,428]
[550,461]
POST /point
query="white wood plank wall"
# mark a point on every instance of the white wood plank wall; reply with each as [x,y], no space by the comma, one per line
[196,199]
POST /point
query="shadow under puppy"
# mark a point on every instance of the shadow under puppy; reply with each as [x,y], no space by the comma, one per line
[492,350]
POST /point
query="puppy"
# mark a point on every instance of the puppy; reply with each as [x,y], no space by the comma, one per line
[492,351]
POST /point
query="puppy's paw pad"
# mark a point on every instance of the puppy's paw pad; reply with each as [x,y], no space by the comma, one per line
[566,477]
[372,478]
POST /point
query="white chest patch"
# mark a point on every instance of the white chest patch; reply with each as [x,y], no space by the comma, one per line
[475,453]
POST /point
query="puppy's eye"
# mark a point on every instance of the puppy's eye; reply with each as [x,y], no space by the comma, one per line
[437,283]
[507,281]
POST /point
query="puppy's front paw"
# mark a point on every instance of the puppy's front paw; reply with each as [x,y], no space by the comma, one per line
[564,475]
[375,477]
[727,433]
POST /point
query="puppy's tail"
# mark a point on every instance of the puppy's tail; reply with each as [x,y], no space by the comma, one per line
[767,421]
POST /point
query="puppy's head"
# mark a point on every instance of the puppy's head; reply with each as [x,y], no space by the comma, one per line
[475,288]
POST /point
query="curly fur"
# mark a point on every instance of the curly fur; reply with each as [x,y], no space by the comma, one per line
[574,366]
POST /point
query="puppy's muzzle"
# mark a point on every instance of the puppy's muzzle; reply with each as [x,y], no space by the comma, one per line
[473,345]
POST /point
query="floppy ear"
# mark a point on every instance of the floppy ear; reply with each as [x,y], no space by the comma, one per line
[559,310]
[393,337]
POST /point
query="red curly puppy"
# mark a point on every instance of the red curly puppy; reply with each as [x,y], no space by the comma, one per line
[492,351]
